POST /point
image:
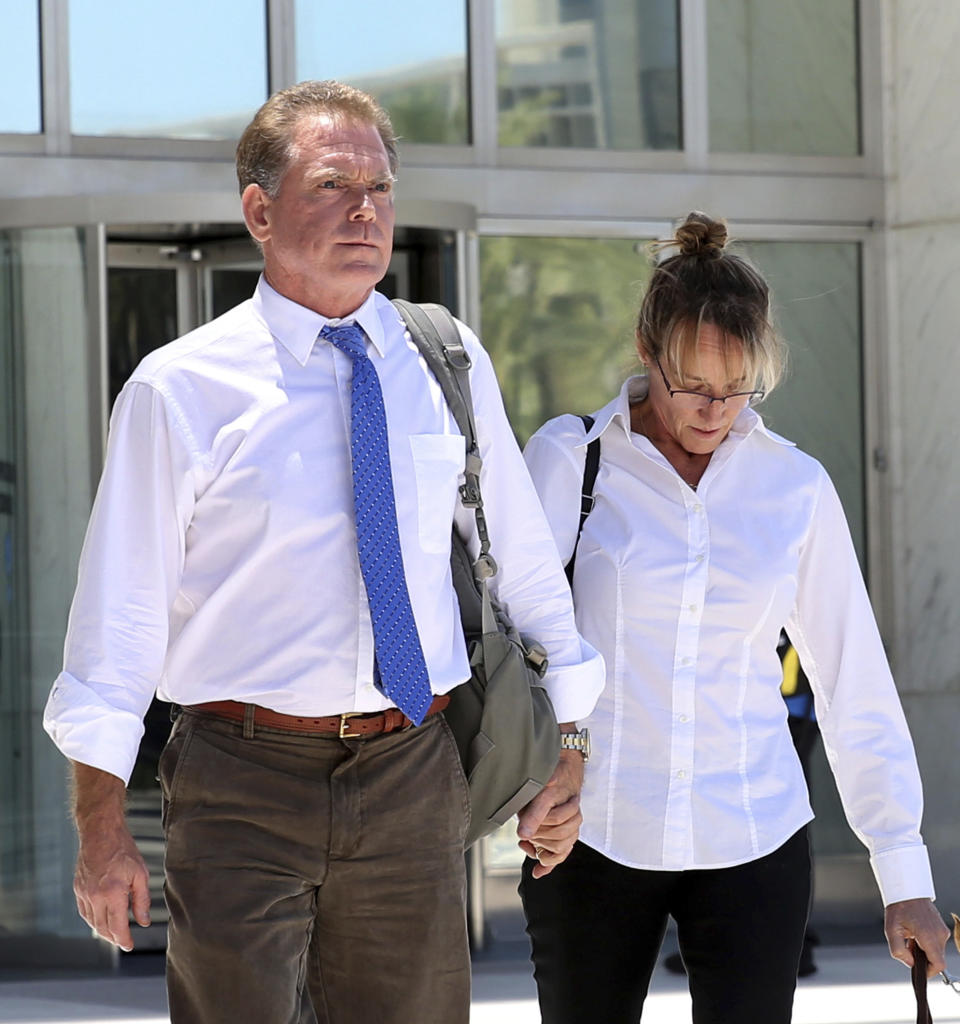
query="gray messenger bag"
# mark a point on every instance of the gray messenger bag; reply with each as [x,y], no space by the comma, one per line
[501,717]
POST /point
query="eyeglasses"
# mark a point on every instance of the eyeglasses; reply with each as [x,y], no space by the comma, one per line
[697,400]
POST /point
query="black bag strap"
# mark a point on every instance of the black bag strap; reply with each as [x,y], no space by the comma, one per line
[435,333]
[918,978]
[590,468]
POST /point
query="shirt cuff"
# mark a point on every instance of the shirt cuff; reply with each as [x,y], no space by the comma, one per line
[88,729]
[903,873]
[575,689]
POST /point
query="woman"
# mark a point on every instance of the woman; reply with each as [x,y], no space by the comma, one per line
[709,534]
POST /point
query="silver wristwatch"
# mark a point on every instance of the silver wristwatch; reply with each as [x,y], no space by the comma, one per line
[579,741]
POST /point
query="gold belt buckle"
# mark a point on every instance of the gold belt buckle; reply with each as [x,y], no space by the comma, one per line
[344,735]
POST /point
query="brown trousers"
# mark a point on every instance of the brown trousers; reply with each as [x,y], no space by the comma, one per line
[313,879]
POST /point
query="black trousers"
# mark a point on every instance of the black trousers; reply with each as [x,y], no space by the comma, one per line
[596,929]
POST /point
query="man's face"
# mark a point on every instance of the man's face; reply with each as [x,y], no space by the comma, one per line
[328,234]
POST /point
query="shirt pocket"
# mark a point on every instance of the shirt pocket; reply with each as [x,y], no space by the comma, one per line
[438,461]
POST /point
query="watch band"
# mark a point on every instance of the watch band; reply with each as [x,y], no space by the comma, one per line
[579,741]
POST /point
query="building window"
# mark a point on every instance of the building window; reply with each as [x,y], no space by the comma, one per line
[413,61]
[47,386]
[179,69]
[557,316]
[819,405]
[591,74]
[782,77]
[20,68]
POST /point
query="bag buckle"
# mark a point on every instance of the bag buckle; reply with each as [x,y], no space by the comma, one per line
[344,726]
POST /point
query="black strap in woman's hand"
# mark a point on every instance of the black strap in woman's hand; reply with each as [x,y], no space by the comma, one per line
[918,975]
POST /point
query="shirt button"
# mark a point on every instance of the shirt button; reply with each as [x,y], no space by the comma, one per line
[684,661]
[692,607]
[698,507]
[699,558]
[681,774]
[684,719]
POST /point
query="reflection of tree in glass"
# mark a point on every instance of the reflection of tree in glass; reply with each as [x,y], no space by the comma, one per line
[426,111]
[525,118]
[557,317]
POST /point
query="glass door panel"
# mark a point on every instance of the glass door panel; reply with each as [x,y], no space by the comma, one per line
[142,315]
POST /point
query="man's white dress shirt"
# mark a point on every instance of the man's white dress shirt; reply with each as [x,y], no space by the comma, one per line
[684,592]
[221,563]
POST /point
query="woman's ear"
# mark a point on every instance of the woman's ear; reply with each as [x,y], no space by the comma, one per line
[643,353]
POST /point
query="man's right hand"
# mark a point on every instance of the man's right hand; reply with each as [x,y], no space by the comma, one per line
[111,876]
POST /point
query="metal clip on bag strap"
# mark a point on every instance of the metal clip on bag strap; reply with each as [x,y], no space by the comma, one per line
[450,363]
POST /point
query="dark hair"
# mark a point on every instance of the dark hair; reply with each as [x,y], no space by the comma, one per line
[265,148]
[705,283]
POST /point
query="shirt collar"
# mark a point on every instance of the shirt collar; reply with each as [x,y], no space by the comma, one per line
[297,328]
[635,389]
[618,410]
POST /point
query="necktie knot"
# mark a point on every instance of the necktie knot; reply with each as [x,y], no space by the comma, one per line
[349,338]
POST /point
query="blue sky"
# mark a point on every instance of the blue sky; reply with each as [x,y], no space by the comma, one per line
[20,68]
[137,64]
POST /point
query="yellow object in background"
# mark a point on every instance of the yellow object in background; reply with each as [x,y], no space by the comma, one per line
[791,671]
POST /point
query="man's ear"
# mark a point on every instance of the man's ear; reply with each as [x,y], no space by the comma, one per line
[255,204]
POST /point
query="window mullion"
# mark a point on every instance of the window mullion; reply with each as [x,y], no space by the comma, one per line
[693,83]
[281,45]
[483,81]
[871,61]
[55,75]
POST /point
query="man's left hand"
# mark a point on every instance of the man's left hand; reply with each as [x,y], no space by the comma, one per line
[918,920]
[550,824]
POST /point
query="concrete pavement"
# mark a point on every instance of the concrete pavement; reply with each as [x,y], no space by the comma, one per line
[854,985]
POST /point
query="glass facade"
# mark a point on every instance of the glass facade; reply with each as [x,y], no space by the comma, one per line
[819,405]
[45,496]
[20,68]
[556,310]
[591,74]
[557,317]
[176,70]
[782,77]
[413,61]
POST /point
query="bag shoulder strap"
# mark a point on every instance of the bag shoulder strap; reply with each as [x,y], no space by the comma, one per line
[590,468]
[435,333]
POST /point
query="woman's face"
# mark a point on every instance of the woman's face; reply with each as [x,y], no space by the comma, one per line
[698,426]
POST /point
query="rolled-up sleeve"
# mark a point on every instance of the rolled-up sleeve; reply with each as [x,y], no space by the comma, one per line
[129,575]
[864,730]
[530,583]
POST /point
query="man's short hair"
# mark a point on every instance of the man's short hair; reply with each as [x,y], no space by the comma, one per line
[265,148]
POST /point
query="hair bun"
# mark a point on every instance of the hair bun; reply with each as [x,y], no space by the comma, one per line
[700,235]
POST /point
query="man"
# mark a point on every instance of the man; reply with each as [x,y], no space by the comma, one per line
[269,550]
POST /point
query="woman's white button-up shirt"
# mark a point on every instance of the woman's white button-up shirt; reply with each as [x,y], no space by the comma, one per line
[684,592]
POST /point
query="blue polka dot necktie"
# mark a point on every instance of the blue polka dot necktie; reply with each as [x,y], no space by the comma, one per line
[399,657]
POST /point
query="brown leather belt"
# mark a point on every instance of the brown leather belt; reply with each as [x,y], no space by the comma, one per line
[349,724]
